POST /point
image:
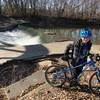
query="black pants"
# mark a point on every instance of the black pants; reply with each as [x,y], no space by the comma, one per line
[79,69]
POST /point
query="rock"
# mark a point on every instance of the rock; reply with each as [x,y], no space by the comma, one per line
[7,23]
[50,33]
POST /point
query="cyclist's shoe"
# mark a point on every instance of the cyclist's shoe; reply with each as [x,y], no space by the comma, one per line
[74,83]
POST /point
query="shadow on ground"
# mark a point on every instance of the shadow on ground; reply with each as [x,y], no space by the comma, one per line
[21,66]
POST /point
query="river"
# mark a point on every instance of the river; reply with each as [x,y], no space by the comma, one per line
[30,36]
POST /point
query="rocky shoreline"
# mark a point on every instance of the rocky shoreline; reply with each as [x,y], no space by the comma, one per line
[18,70]
[9,23]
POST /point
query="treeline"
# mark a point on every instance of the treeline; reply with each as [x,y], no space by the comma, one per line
[53,8]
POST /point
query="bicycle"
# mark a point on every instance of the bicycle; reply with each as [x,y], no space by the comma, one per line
[59,75]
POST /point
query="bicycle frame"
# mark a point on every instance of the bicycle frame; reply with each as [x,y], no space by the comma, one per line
[89,64]
[59,75]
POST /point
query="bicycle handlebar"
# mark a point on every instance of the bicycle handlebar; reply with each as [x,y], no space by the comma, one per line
[95,57]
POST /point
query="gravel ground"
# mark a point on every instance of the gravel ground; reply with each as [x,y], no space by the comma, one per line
[60,94]
[14,71]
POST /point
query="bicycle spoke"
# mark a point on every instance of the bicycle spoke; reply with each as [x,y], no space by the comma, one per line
[94,83]
[55,76]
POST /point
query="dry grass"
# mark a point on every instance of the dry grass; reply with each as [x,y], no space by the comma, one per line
[60,94]
[52,93]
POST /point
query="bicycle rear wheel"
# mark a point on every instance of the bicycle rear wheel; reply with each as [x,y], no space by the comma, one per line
[94,82]
[55,75]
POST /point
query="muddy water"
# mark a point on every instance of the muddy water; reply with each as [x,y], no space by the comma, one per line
[30,36]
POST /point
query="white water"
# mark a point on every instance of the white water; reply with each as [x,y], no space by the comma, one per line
[18,37]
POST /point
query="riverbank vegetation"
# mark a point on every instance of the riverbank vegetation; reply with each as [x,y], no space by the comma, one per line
[52,13]
[81,9]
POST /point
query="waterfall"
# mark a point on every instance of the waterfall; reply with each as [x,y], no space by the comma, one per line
[18,37]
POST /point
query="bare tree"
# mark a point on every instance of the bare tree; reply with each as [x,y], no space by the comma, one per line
[58,8]
[0,8]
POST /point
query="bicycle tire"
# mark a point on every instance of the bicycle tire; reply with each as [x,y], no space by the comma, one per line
[54,70]
[94,83]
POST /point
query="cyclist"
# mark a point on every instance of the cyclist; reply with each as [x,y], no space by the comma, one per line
[81,50]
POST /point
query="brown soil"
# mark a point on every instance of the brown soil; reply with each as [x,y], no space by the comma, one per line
[7,23]
[60,94]
[14,71]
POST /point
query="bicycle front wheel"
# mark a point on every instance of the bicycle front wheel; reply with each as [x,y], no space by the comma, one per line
[94,82]
[55,75]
